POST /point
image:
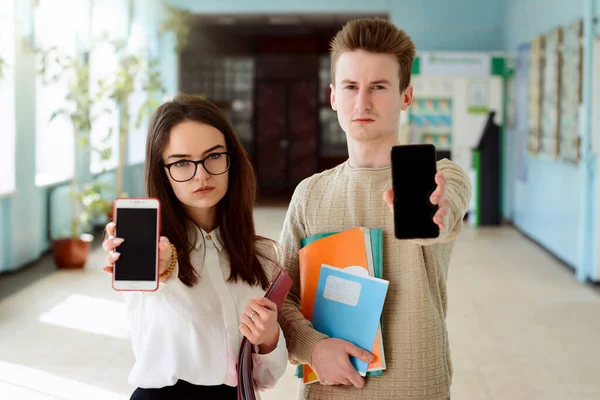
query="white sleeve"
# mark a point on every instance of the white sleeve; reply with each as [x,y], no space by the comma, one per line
[270,367]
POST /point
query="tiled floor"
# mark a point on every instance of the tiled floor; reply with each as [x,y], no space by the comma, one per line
[520,328]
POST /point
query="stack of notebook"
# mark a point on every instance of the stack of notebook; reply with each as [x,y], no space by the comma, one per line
[276,292]
[342,293]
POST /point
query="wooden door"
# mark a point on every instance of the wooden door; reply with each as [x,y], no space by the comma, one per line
[270,134]
[286,134]
[303,115]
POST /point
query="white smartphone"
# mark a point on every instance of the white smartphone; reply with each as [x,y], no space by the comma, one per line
[138,223]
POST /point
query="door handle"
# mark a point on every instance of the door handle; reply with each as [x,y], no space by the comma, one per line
[284,143]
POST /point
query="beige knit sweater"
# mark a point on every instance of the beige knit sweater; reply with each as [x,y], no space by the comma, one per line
[414,328]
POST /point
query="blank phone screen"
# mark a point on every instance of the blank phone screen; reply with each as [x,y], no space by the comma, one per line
[413,178]
[137,261]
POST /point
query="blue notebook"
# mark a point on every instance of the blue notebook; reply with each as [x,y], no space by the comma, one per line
[349,307]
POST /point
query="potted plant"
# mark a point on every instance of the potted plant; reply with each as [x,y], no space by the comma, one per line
[93,203]
[72,251]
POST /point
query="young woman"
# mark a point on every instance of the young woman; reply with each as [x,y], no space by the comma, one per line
[214,269]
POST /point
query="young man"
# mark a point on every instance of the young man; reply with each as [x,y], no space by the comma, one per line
[371,68]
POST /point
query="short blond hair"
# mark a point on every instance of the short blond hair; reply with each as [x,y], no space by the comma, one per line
[379,36]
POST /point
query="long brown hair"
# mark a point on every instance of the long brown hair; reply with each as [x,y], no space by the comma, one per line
[234,211]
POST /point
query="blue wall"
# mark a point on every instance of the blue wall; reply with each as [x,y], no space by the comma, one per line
[432,24]
[549,205]
[524,19]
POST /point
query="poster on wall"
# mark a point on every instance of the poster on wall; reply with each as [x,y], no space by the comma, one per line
[535,94]
[431,121]
[477,97]
[510,102]
[551,99]
[596,100]
[522,119]
[571,65]
[440,87]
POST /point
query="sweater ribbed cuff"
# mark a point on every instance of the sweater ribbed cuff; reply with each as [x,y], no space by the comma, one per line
[304,343]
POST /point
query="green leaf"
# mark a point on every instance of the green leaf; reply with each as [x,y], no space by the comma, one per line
[106,154]
[178,22]
[83,141]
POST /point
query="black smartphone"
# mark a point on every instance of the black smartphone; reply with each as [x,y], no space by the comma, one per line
[413,180]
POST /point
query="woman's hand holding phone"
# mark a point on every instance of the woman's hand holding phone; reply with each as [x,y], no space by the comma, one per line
[111,243]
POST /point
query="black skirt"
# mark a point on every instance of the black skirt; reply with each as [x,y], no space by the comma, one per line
[184,390]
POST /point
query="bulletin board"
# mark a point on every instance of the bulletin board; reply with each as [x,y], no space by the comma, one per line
[595,142]
[431,119]
[522,90]
[551,99]
[535,95]
[571,62]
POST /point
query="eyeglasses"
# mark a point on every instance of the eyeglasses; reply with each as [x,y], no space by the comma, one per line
[185,170]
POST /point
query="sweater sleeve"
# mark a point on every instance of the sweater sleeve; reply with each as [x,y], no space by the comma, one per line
[299,333]
[458,195]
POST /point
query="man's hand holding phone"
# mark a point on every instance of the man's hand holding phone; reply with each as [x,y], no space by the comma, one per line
[438,197]
[112,243]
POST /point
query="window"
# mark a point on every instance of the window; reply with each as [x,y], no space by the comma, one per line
[138,44]
[333,137]
[7,98]
[109,21]
[136,146]
[55,141]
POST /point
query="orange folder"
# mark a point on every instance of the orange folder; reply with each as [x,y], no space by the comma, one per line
[342,250]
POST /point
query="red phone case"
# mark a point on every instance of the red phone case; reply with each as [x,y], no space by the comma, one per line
[157,240]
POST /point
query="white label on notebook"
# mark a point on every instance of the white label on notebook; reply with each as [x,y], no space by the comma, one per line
[342,290]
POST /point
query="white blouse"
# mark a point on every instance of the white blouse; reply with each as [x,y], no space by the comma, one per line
[178,332]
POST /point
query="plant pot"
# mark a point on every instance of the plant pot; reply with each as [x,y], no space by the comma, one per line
[71,253]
